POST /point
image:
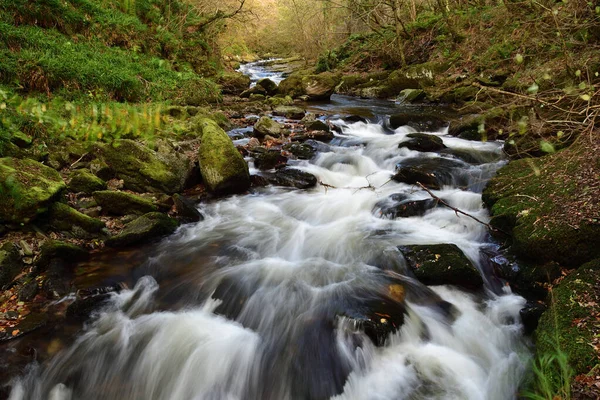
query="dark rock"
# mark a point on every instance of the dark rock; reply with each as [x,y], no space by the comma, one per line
[355,118]
[26,189]
[268,85]
[303,151]
[254,90]
[266,126]
[442,264]
[259,181]
[52,249]
[322,136]
[293,177]
[186,209]
[28,291]
[122,203]
[83,308]
[10,263]
[267,158]
[55,287]
[420,122]
[29,324]
[317,125]
[223,169]
[290,112]
[430,172]
[83,181]
[406,208]
[101,170]
[411,95]
[473,156]
[66,219]
[423,142]
[144,229]
[530,316]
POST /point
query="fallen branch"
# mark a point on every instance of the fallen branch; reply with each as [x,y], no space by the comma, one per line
[459,211]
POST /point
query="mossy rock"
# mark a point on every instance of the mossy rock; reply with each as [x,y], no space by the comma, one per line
[21,139]
[222,167]
[411,96]
[527,198]
[570,324]
[317,125]
[10,263]
[316,87]
[266,126]
[254,90]
[233,82]
[279,100]
[122,203]
[83,181]
[58,249]
[144,170]
[442,264]
[64,218]
[143,229]
[269,86]
[290,112]
[26,189]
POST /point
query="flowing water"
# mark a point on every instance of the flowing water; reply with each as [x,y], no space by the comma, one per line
[276,295]
[261,69]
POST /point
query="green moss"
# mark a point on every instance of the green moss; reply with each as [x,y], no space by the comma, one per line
[83,181]
[570,323]
[222,167]
[143,229]
[58,249]
[26,189]
[122,203]
[64,218]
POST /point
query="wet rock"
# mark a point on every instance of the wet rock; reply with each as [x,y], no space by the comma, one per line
[293,178]
[223,168]
[423,142]
[267,158]
[28,291]
[145,170]
[268,85]
[315,87]
[82,308]
[442,264]
[64,218]
[186,209]
[317,125]
[83,181]
[289,112]
[530,316]
[10,263]
[56,249]
[54,286]
[302,151]
[27,188]
[420,122]
[472,156]
[411,95]
[355,118]
[430,172]
[144,229]
[28,324]
[266,126]
[233,82]
[405,208]
[322,136]
[122,203]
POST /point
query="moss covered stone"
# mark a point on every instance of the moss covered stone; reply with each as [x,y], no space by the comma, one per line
[58,249]
[122,203]
[26,189]
[442,264]
[570,323]
[529,197]
[222,167]
[145,170]
[280,100]
[266,126]
[233,82]
[143,229]
[65,218]
[290,112]
[83,181]
[10,263]
[316,87]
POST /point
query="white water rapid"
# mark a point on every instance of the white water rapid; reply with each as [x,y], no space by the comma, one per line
[271,294]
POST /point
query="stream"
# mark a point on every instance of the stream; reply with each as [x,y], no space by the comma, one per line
[303,294]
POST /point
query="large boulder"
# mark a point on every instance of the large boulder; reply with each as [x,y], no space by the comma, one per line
[266,126]
[442,264]
[290,112]
[233,82]
[316,87]
[26,189]
[122,203]
[223,168]
[398,205]
[269,86]
[423,142]
[144,229]
[431,172]
[293,178]
[145,170]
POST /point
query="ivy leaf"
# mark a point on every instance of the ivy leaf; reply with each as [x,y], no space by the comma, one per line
[533,89]
[585,97]
[547,147]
